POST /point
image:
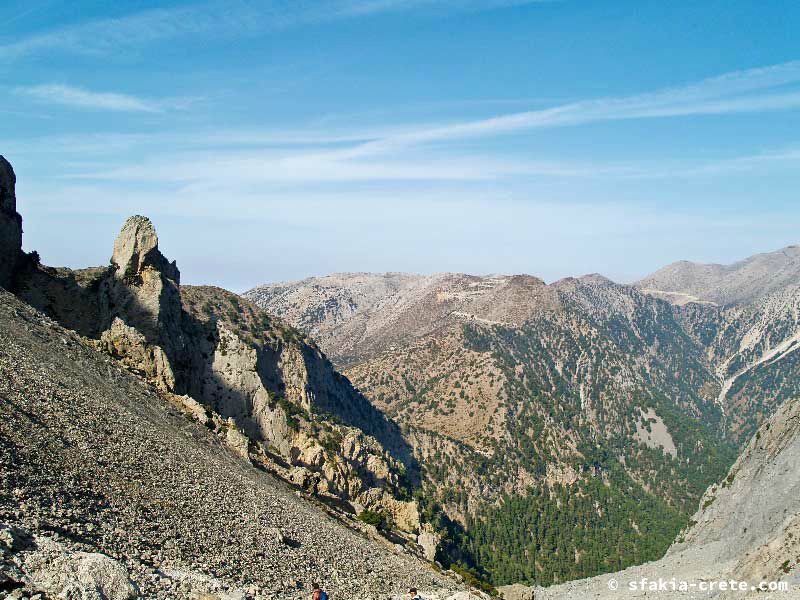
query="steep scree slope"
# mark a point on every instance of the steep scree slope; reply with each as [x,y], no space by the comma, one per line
[91,455]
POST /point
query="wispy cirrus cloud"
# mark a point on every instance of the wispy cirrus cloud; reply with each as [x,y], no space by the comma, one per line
[751,90]
[411,152]
[76,97]
[249,169]
[365,7]
[231,18]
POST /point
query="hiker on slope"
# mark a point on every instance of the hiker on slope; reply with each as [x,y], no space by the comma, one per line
[318,593]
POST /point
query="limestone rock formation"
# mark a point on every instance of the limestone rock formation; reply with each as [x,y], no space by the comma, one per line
[429,541]
[516,591]
[144,291]
[45,566]
[127,344]
[282,392]
[10,225]
[136,248]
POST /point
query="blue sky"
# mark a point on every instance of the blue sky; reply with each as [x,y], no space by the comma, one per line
[277,140]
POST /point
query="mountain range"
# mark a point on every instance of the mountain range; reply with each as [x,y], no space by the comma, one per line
[512,389]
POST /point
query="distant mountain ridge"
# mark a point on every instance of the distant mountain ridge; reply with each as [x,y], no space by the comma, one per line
[738,283]
[353,315]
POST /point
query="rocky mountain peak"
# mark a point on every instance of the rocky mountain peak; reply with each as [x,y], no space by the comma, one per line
[136,248]
[10,224]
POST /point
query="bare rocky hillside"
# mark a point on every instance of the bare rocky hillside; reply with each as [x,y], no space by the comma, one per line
[92,458]
[738,283]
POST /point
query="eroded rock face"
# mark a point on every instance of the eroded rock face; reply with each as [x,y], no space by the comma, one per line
[10,225]
[759,501]
[275,386]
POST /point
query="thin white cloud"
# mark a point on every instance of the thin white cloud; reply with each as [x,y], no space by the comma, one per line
[229,170]
[751,90]
[366,7]
[67,95]
[231,158]
[236,170]
[222,18]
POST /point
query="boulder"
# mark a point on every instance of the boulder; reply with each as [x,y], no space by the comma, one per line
[516,591]
[193,408]
[53,569]
[10,225]
[236,440]
[429,541]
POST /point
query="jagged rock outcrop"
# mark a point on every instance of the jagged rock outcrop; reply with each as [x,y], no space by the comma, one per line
[429,540]
[130,346]
[10,225]
[284,394]
[136,250]
[145,288]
